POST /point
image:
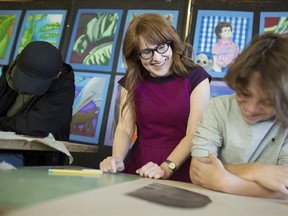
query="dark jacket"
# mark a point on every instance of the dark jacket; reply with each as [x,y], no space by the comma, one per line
[48,113]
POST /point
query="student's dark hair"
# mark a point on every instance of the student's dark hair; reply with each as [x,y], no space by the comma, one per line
[267,55]
[155,29]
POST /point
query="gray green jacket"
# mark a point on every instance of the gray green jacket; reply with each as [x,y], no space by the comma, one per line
[223,132]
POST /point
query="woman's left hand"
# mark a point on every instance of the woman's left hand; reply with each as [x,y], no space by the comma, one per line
[151,170]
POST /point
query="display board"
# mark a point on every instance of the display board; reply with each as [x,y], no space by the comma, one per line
[89,35]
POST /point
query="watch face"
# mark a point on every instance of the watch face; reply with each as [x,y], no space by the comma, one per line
[172,165]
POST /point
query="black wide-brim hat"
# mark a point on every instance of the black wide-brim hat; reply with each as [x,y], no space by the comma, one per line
[35,67]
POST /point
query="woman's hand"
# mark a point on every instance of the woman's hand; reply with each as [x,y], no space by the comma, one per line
[151,170]
[112,165]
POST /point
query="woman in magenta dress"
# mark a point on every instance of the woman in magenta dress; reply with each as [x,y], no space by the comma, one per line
[163,95]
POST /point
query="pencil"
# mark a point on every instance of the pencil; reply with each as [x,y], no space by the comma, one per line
[83,172]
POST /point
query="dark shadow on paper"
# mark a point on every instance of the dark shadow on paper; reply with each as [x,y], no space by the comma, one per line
[170,196]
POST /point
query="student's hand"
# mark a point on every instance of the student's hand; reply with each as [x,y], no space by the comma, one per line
[211,174]
[151,170]
[273,177]
[112,165]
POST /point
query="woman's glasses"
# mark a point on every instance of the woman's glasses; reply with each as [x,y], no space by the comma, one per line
[148,53]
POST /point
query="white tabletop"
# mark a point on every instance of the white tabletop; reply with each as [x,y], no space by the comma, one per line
[113,200]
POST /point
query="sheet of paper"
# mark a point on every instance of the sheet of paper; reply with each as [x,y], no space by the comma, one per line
[6,166]
[171,196]
[48,141]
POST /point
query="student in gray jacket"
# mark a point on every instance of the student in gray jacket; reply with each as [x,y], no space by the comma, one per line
[241,144]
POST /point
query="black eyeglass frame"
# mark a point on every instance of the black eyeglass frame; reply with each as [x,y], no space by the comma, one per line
[152,50]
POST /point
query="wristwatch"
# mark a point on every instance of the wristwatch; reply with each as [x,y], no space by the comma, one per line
[171,165]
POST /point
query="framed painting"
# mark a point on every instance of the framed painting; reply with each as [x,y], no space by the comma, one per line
[170,15]
[88,108]
[94,38]
[276,22]
[43,25]
[113,112]
[9,21]
[218,88]
[219,38]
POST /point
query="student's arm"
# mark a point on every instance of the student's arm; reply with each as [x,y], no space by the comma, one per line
[199,99]
[210,173]
[274,177]
[122,139]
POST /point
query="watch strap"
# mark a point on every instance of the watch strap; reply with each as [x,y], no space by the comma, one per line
[171,165]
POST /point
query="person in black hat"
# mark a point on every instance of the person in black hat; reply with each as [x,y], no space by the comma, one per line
[37,92]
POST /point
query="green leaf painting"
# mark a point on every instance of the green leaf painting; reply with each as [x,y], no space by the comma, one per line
[94,38]
[6,26]
[277,25]
[100,55]
[41,25]
[94,45]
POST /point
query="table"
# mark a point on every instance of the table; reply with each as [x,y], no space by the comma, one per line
[31,191]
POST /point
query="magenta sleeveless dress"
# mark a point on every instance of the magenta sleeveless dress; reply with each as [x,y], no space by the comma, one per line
[162,108]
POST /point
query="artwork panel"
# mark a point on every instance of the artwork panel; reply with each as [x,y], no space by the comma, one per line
[170,15]
[88,107]
[276,22]
[214,54]
[9,21]
[41,25]
[94,38]
[219,88]
[113,112]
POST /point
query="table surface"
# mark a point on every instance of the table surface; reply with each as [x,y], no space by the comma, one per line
[32,191]
[30,185]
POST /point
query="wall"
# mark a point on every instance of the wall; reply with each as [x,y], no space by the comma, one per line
[101,112]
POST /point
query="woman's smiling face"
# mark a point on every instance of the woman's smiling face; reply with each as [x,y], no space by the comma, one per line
[160,64]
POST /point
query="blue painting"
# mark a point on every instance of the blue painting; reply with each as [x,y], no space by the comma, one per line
[170,15]
[9,20]
[88,107]
[218,88]
[219,38]
[94,39]
[41,25]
